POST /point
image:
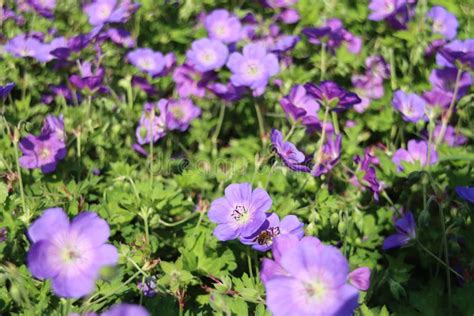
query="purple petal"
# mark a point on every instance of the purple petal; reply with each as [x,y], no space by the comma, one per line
[52,221]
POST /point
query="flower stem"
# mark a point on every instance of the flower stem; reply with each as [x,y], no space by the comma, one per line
[447,117]
[323,62]
[261,123]
[219,126]
[446,257]
[438,259]
[184,220]
[335,122]
[26,210]
[317,158]
[152,122]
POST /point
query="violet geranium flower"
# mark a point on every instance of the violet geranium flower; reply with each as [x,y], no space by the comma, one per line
[6,89]
[289,154]
[406,231]
[241,212]
[466,193]
[444,22]
[457,52]
[89,79]
[109,11]
[329,93]
[43,7]
[71,254]
[223,26]
[330,155]
[417,151]
[126,310]
[180,113]
[253,68]
[444,80]
[310,279]
[147,60]
[301,106]
[152,125]
[207,54]
[47,149]
[410,105]
[272,229]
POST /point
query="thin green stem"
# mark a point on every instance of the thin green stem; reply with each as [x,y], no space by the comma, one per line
[261,124]
[184,220]
[335,122]
[323,62]
[152,121]
[317,158]
[438,259]
[219,125]
[393,72]
[292,130]
[446,257]
[26,210]
[249,263]
[447,117]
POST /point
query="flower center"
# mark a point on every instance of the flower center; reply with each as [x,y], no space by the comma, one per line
[207,57]
[44,153]
[146,63]
[253,69]
[240,214]
[70,255]
[104,12]
[316,289]
[221,29]
[177,113]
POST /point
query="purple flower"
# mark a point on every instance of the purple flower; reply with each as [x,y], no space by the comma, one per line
[207,54]
[223,26]
[180,113]
[383,9]
[289,16]
[445,80]
[71,254]
[3,234]
[88,79]
[301,106]
[330,155]
[43,7]
[289,154]
[437,98]
[410,105]
[241,212]
[253,68]
[333,34]
[406,231]
[369,178]
[310,279]
[451,137]
[22,46]
[6,89]
[147,60]
[143,84]
[368,87]
[109,11]
[466,193]
[126,310]
[189,81]
[121,37]
[444,22]
[377,67]
[227,92]
[63,91]
[272,229]
[148,286]
[284,43]
[152,125]
[360,278]
[457,52]
[417,151]
[329,93]
[47,149]
[280,3]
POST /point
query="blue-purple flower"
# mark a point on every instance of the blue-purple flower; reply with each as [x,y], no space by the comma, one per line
[6,89]
[152,125]
[43,7]
[273,228]
[253,68]
[308,278]
[70,254]
[241,212]
[444,22]
[329,157]
[147,60]
[301,106]
[395,12]
[457,51]
[416,152]
[466,193]
[180,113]
[47,149]
[410,105]
[289,154]
[207,54]
[223,26]
[109,11]
[329,93]
[444,80]
[126,310]
[406,231]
